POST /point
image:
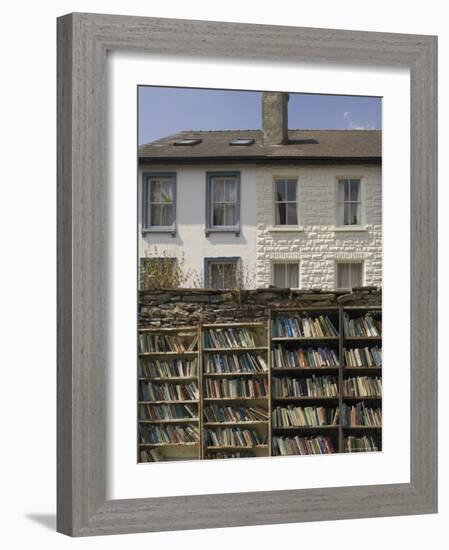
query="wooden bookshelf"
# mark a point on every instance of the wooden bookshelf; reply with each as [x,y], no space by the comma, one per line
[220,367]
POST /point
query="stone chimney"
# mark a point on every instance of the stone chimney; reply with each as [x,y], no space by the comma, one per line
[275,118]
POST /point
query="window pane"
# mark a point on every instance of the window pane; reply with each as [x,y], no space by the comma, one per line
[230,275]
[346,214]
[230,191]
[219,213]
[217,190]
[356,274]
[156,215]
[167,218]
[291,190]
[215,276]
[292,218]
[292,275]
[222,275]
[279,275]
[281,217]
[354,214]
[281,194]
[229,216]
[155,191]
[343,190]
[166,191]
[343,276]
[354,190]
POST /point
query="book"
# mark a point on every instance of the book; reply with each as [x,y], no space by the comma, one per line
[234,413]
[354,444]
[360,415]
[366,326]
[292,416]
[302,445]
[230,337]
[363,357]
[234,363]
[233,437]
[283,358]
[168,434]
[362,386]
[167,411]
[168,368]
[150,342]
[153,391]
[297,325]
[236,387]
[316,386]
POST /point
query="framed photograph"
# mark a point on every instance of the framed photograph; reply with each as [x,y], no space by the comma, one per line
[246,232]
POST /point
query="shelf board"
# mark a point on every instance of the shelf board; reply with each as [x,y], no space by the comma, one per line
[308,428]
[362,427]
[362,338]
[237,423]
[168,401]
[233,374]
[170,421]
[162,330]
[365,369]
[234,398]
[234,350]
[305,398]
[234,447]
[255,324]
[167,353]
[303,369]
[192,444]
[305,339]
[168,378]
[360,398]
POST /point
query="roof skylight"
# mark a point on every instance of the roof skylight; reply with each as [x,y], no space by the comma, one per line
[188,141]
[241,141]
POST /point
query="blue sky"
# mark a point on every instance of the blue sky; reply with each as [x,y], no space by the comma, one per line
[166,111]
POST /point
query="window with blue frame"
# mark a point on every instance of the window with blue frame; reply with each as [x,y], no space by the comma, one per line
[159,202]
[221,273]
[223,202]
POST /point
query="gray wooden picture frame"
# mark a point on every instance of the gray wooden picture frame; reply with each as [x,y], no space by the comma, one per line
[83,40]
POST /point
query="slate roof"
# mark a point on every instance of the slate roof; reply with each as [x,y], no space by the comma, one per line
[302,145]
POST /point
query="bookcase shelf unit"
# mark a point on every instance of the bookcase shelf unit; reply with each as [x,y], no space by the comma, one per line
[245,356]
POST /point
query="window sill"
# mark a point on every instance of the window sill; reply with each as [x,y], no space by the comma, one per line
[231,229]
[169,230]
[286,229]
[350,228]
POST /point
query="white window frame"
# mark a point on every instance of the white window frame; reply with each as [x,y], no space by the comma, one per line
[273,194]
[339,225]
[285,262]
[344,262]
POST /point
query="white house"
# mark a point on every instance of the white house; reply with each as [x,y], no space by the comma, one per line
[290,208]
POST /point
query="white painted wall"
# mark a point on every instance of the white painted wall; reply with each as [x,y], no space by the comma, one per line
[190,238]
[317,245]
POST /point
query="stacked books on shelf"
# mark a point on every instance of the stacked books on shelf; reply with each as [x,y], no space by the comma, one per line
[235,413]
[150,391]
[287,325]
[354,444]
[151,455]
[168,434]
[170,368]
[216,363]
[150,342]
[167,412]
[360,415]
[292,416]
[367,326]
[362,386]
[230,338]
[227,454]
[236,387]
[233,437]
[302,445]
[363,357]
[310,358]
[316,386]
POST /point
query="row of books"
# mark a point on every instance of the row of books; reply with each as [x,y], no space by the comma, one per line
[151,455]
[362,386]
[167,411]
[230,337]
[234,413]
[167,434]
[290,416]
[236,387]
[155,343]
[360,415]
[227,454]
[363,357]
[302,445]
[168,368]
[233,437]
[353,444]
[150,391]
[303,326]
[310,358]
[362,326]
[229,363]
[316,386]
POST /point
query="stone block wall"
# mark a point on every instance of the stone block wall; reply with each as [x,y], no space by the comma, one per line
[184,307]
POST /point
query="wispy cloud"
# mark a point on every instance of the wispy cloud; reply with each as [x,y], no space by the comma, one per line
[346,114]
